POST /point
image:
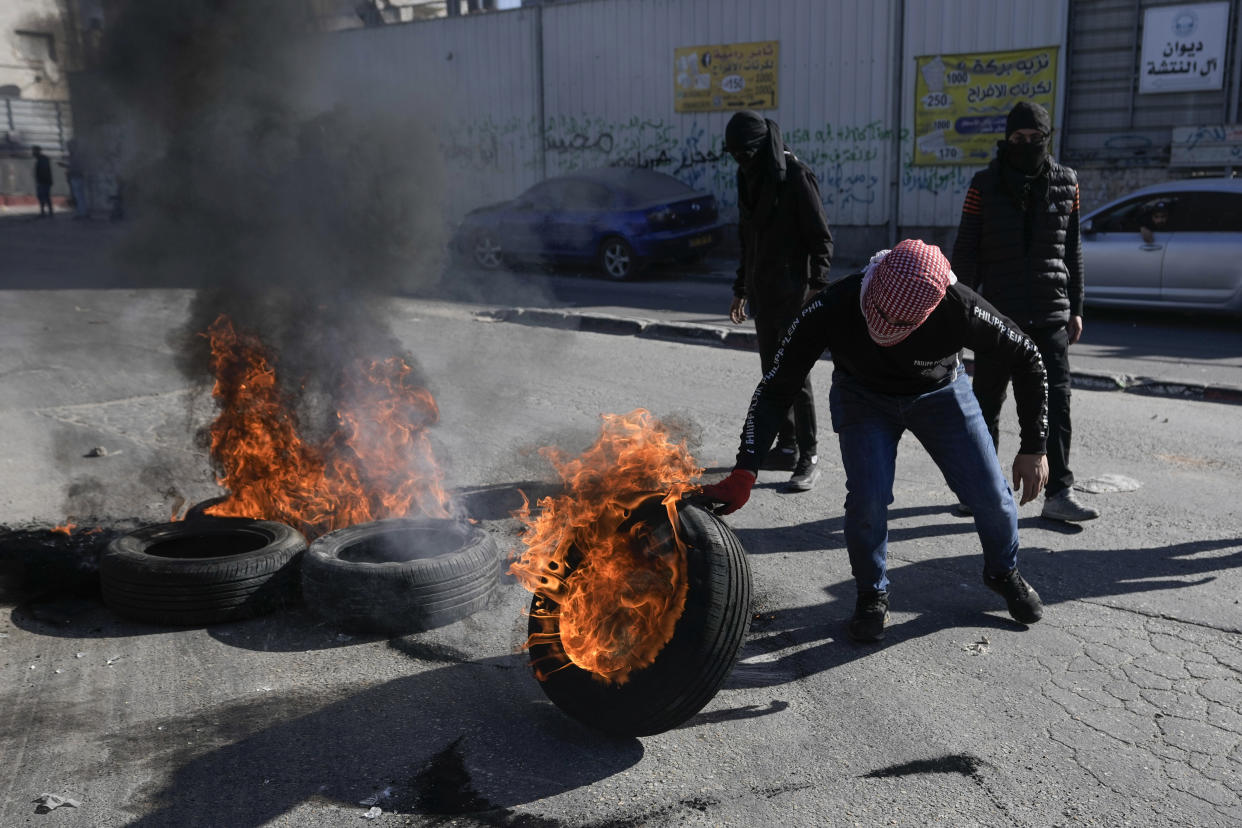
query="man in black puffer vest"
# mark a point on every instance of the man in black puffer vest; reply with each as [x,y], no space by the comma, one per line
[1018,245]
[786,254]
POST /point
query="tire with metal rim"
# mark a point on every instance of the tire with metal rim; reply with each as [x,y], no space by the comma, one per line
[695,662]
[487,252]
[204,571]
[617,259]
[401,575]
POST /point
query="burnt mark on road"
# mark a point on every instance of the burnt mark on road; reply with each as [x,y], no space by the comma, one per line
[429,651]
[773,791]
[443,788]
[962,763]
[443,785]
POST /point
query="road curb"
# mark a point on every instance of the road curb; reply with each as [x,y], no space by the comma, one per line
[691,333]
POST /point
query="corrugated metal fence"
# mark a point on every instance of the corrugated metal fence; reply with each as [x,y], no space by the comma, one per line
[26,124]
[532,92]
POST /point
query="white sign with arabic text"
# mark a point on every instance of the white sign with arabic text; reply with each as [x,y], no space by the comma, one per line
[1184,48]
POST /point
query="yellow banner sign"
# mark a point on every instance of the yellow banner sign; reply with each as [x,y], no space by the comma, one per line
[960,101]
[729,76]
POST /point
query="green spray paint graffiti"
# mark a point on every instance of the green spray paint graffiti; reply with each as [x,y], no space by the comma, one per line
[489,144]
[848,159]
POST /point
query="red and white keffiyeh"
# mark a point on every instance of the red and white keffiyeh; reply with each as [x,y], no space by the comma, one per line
[901,287]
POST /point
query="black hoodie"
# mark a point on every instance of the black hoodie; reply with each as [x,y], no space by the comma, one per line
[782,227]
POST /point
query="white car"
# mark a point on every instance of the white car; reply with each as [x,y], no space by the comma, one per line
[1188,258]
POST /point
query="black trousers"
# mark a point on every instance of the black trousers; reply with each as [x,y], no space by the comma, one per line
[991,383]
[799,425]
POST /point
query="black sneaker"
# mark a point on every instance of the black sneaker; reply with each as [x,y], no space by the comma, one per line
[870,616]
[781,458]
[1021,598]
[806,474]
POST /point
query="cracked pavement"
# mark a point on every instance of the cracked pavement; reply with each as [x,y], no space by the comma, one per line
[1121,707]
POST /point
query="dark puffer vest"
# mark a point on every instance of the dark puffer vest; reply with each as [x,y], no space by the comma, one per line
[1026,262]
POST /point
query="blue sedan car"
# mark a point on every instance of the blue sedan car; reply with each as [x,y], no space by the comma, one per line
[619,218]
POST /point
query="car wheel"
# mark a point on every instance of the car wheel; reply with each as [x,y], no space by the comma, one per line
[203,571]
[617,259]
[487,252]
[400,575]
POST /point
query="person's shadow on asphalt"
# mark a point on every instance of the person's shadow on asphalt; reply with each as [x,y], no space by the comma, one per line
[787,644]
[462,738]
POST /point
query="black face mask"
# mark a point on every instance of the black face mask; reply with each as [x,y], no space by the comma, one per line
[1026,158]
[747,158]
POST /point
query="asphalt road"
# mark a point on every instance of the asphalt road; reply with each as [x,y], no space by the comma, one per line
[1119,708]
[1129,345]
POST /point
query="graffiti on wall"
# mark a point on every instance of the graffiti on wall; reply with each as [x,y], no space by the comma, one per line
[1120,150]
[488,144]
[850,160]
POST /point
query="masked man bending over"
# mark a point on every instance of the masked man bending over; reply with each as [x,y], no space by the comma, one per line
[895,332]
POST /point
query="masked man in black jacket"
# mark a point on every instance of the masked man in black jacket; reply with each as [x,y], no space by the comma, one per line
[786,254]
[1018,244]
[894,333]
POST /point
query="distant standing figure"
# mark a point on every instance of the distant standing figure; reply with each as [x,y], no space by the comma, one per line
[786,254]
[1019,246]
[43,181]
[76,177]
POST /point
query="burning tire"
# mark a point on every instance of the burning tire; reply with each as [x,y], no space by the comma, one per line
[691,667]
[201,571]
[401,575]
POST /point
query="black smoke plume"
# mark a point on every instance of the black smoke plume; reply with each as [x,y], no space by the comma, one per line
[296,219]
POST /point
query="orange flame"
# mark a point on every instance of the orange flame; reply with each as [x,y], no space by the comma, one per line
[378,463]
[65,528]
[610,590]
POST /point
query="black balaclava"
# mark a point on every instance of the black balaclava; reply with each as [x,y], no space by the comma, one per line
[1027,158]
[759,181]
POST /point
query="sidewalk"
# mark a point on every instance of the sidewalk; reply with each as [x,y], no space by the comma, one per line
[715,330]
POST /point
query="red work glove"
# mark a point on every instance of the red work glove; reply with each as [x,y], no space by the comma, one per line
[733,491]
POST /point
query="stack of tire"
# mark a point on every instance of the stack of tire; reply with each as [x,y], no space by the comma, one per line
[392,576]
[402,576]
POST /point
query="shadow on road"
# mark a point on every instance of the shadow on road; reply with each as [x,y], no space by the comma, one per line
[1071,574]
[791,644]
[444,742]
[1174,336]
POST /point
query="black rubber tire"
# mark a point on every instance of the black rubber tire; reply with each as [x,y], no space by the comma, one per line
[694,664]
[454,572]
[143,580]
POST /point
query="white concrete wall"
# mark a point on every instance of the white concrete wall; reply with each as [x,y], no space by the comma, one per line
[34,80]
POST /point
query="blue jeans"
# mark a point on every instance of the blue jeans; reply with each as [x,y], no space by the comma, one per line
[948,423]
